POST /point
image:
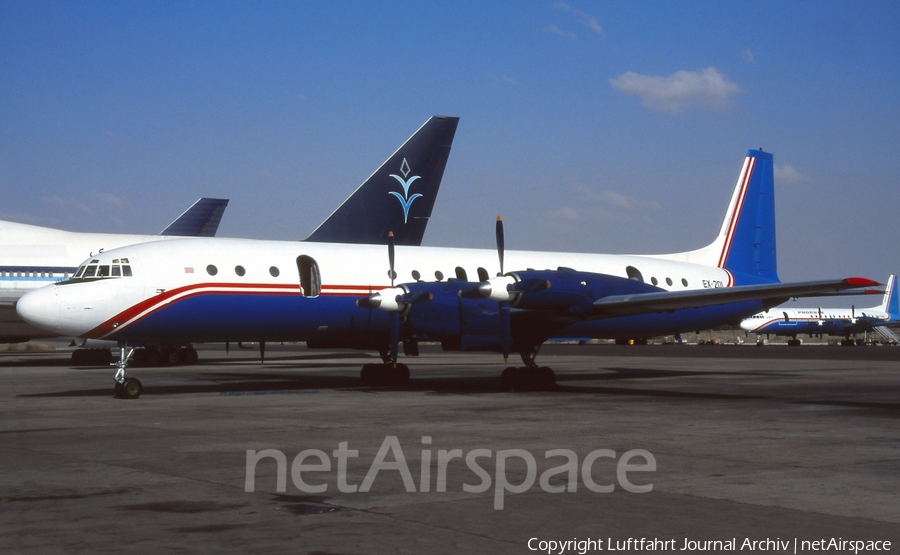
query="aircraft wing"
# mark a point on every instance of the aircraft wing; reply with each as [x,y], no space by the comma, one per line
[774,293]
[200,220]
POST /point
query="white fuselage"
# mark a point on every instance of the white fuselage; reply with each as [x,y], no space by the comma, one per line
[165,274]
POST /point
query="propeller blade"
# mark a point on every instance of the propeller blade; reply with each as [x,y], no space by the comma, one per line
[499,233]
[395,336]
[504,330]
[392,273]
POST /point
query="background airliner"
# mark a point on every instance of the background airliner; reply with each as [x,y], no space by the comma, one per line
[841,322]
[31,256]
[341,294]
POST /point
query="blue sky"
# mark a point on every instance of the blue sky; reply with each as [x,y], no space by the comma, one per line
[590,126]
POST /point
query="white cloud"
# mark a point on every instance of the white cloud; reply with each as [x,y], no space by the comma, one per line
[608,206]
[110,200]
[566,213]
[589,20]
[748,56]
[705,88]
[787,174]
[557,31]
[504,79]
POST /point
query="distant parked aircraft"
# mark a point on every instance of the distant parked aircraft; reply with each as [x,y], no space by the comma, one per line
[841,322]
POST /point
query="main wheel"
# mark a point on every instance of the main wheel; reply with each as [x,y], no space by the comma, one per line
[368,374]
[400,374]
[171,357]
[189,356]
[508,379]
[119,393]
[545,378]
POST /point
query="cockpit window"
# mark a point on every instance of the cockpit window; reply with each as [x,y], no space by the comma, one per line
[93,270]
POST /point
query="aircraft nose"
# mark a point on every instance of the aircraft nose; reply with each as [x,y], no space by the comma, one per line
[40,308]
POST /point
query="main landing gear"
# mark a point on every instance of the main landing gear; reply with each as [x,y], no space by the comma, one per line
[385,374]
[126,388]
[531,377]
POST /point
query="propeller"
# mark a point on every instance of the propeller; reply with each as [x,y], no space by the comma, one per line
[499,234]
[391,272]
[504,289]
[505,338]
[393,300]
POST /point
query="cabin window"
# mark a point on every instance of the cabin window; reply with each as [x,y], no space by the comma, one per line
[212,270]
[669,281]
[310,279]
[654,281]
[239,270]
[461,273]
[483,274]
[684,282]
[416,275]
[439,275]
[635,274]
[274,272]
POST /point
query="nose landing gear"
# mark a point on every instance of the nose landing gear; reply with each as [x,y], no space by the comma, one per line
[126,388]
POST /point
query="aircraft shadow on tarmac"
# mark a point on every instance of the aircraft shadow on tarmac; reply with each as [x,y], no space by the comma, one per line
[266,381]
[280,375]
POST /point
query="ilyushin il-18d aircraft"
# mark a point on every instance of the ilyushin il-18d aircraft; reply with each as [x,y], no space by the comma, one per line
[840,322]
[31,256]
[359,296]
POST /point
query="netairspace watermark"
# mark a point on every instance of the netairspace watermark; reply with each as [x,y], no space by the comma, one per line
[635,460]
[795,545]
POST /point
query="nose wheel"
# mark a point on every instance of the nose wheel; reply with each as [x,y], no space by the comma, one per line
[129,389]
[126,388]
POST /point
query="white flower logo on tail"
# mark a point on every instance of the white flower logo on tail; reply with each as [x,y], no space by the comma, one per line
[405,200]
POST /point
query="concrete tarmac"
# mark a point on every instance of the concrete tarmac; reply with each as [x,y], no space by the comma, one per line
[750,444]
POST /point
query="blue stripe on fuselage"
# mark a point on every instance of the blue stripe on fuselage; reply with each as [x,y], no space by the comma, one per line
[254,317]
[290,317]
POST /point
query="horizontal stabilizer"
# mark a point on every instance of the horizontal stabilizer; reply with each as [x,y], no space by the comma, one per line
[200,220]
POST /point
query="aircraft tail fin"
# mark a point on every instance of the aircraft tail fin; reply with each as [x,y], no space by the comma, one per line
[399,196]
[890,303]
[745,246]
[200,220]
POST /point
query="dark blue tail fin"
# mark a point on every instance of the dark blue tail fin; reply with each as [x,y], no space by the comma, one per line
[399,196]
[747,236]
[200,220]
